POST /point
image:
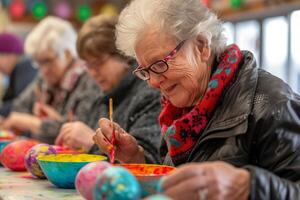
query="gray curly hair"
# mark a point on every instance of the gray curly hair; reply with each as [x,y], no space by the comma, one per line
[184,19]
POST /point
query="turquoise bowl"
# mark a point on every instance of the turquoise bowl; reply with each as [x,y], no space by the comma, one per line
[61,169]
[2,145]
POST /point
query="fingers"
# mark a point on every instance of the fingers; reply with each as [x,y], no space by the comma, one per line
[60,139]
[185,172]
[101,141]
[187,181]
[107,128]
[187,189]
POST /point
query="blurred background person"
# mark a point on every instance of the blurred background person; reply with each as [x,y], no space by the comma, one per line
[61,92]
[16,67]
[136,106]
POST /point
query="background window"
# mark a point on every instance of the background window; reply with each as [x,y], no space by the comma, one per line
[275,46]
[247,37]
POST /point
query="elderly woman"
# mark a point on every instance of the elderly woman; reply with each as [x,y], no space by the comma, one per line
[236,125]
[62,92]
[136,106]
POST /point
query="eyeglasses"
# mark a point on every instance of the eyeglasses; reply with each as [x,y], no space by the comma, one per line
[158,67]
[45,62]
[95,64]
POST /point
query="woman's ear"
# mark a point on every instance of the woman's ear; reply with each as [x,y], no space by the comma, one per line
[203,47]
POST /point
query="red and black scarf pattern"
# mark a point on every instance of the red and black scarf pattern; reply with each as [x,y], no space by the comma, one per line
[182,127]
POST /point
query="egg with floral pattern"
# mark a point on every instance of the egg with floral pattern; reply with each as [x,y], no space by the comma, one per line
[116,183]
[31,162]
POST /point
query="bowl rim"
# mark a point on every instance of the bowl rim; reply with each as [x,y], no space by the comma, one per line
[146,175]
[40,158]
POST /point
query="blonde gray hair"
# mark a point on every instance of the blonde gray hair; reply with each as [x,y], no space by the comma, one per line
[54,34]
[184,19]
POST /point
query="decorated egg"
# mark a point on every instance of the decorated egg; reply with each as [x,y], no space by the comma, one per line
[13,155]
[86,178]
[116,183]
[31,162]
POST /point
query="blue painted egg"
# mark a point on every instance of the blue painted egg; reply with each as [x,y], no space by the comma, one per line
[116,183]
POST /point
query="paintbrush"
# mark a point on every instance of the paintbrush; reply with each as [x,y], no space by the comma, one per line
[112,148]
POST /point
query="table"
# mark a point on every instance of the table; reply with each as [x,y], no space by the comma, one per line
[21,186]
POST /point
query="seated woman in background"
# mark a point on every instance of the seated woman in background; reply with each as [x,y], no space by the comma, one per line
[63,91]
[236,125]
[136,106]
[17,67]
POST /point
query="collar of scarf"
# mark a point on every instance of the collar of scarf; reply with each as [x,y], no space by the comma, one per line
[182,127]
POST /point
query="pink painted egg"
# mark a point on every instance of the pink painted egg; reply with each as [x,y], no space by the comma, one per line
[31,162]
[86,178]
[13,155]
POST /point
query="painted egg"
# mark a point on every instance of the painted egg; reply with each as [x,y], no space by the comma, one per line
[13,155]
[86,178]
[31,162]
[116,183]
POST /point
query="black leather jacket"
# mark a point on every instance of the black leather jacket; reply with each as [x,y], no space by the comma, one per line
[257,127]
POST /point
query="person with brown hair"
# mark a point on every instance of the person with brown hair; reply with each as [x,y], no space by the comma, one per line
[136,106]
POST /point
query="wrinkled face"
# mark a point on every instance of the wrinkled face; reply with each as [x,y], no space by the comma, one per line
[183,84]
[51,66]
[107,70]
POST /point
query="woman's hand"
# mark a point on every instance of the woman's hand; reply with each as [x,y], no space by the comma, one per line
[127,148]
[42,110]
[76,135]
[22,122]
[209,180]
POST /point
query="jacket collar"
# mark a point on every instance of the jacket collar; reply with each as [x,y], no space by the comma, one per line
[237,102]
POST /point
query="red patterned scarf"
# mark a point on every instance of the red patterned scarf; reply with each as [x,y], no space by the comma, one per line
[182,127]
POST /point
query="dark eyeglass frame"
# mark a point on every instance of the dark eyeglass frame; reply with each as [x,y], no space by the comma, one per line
[42,63]
[164,60]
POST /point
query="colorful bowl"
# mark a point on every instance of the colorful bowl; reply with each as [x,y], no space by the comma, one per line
[148,176]
[7,135]
[61,169]
[65,150]
[2,145]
